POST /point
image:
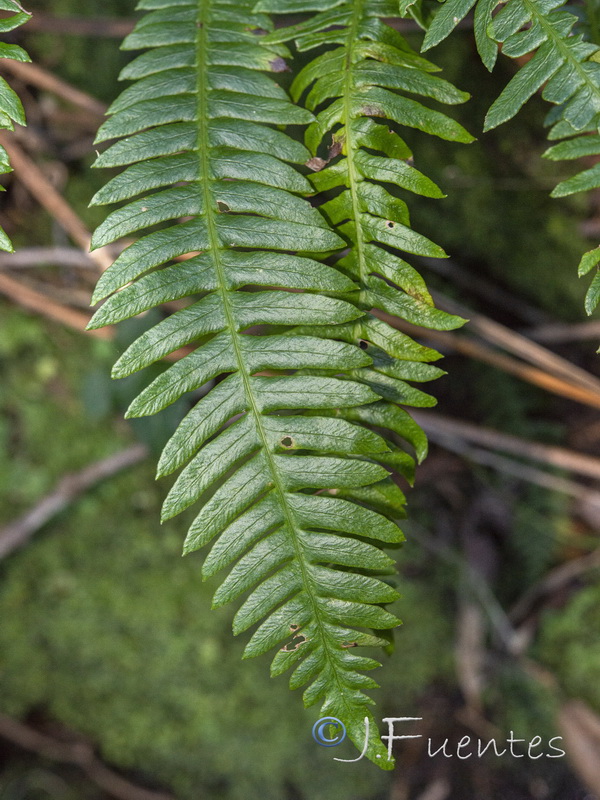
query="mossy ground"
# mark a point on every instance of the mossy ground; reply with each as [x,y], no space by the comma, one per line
[107,629]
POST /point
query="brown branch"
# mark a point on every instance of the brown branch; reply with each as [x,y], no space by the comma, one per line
[68,489]
[36,256]
[588,499]
[552,583]
[501,336]
[438,426]
[35,301]
[563,332]
[580,727]
[43,79]
[489,291]
[32,177]
[452,342]
[78,753]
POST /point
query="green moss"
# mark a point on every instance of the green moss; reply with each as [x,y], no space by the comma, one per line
[109,630]
[568,644]
[42,428]
[106,628]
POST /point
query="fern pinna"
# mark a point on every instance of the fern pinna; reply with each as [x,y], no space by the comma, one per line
[11,108]
[279,444]
[563,49]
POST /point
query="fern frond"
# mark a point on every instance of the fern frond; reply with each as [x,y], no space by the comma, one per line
[11,109]
[279,451]
[568,69]
[449,15]
[585,146]
[367,73]
[562,63]
[370,72]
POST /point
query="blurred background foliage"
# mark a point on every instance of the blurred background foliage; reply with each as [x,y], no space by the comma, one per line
[105,632]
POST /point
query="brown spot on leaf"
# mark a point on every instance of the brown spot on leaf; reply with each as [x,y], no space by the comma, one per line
[346,645]
[278,65]
[296,642]
[222,206]
[362,344]
[372,111]
[390,224]
[287,441]
[336,148]
[316,163]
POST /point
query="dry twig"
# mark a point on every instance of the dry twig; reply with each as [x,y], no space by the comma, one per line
[17,533]
[78,753]
[560,332]
[501,336]
[487,290]
[39,303]
[451,342]
[43,79]
[31,176]
[580,727]
[553,582]
[36,256]
[439,427]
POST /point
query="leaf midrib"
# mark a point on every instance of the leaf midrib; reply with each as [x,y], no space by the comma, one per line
[204,14]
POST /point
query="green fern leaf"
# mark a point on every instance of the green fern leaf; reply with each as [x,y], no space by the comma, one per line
[561,62]
[563,65]
[450,14]
[567,67]
[11,109]
[284,451]
[364,76]
[370,72]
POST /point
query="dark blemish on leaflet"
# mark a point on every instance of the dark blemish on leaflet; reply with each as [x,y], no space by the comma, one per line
[389,224]
[316,163]
[287,441]
[336,148]
[298,640]
[222,206]
[372,111]
[279,65]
